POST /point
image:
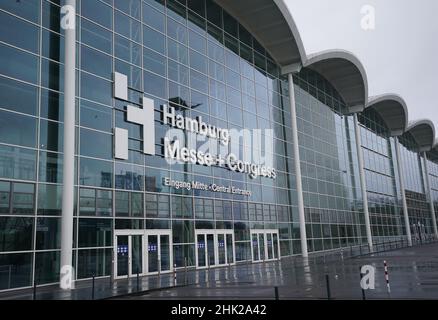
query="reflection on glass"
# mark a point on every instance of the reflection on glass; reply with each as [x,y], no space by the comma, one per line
[230,249]
[201,250]
[152,253]
[255,247]
[269,245]
[165,252]
[137,254]
[122,256]
[210,249]
[221,248]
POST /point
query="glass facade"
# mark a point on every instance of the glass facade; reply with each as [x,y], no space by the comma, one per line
[329,165]
[195,57]
[383,190]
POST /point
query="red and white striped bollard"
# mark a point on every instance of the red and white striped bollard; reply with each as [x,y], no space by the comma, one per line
[387,277]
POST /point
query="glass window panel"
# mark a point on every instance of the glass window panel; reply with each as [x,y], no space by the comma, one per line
[95,144]
[154,62]
[18,64]
[95,232]
[18,32]
[198,61]
[17,163]
[52,105]
[96,89]
[95,262]
[131,7]
[18,269]
[127,26]
[28,9]
[15,234]
[183,231]
[23,198]
[95,173]
[47,267]
[49,199]
[177,31]
[98,11]
[153,18]
[153,39]
[133,73]
[96,62]
[127,50]
[96,116]
[18,96]
[51,135]
[17,129]
[52,75]
[48,233]
[96,36]
[5,197]
[155,85]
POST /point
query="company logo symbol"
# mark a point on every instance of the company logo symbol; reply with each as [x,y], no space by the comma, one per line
[191,140]
[143,117]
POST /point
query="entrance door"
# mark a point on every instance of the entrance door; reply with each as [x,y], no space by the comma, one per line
[143,252]
[264,245]
[158,253]
[129,253]
[214,248]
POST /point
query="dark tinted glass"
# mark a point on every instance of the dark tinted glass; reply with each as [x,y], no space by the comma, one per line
[18,96]
[18,64]
[19,32]
[28,9]
[98,12]
[17,129]
[15,234]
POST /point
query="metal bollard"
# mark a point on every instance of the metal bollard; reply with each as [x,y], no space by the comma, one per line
[363,291]
[92,289]
[138,281]
[34,290]
[276,293]
[360,249]
[327,281]
[174,273]
[185,270]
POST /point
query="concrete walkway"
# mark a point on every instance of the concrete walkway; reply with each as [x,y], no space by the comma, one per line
[413,274]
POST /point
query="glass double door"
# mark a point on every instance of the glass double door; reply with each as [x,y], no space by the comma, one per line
[214,248]
[142,251]
[264,245]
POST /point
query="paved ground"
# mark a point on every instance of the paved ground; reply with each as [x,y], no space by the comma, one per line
[413,274]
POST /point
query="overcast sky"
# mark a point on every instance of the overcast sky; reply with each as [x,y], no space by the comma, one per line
[400,55]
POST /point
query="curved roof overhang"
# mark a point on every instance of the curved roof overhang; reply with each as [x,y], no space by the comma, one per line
[271,23]
[346,73]
[423,132]
[393,110]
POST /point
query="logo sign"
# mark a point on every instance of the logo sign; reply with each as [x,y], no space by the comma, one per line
[179,140]
[367,281]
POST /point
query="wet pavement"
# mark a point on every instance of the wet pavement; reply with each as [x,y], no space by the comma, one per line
[413,274]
